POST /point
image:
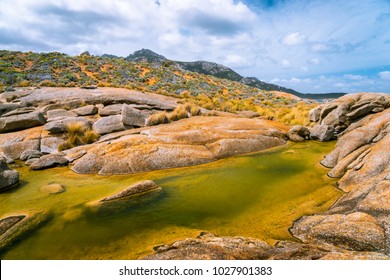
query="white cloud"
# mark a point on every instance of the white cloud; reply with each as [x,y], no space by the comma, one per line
[314,61]
[354,77]
[284,63]
[293,39]
[384,75]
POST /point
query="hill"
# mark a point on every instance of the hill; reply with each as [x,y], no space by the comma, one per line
[209,68]
[153,74]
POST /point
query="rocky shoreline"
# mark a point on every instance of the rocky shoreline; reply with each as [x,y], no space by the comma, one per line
[34,125]
[357,226]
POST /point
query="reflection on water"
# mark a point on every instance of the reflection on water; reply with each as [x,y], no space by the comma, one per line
[257,195]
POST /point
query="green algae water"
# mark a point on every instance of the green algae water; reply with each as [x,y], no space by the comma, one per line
[257,195]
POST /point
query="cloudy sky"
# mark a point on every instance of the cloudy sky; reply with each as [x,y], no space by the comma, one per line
[310,46]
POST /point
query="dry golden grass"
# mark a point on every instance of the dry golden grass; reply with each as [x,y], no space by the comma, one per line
[181,112]
[78,134]
[158,118]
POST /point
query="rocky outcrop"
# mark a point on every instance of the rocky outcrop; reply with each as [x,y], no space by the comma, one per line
[357,226]
[359,220]
[14,226]
[8,177]
[74,98]
[208,246]
[183,143]
[20,122]
[47,161]
[340,113]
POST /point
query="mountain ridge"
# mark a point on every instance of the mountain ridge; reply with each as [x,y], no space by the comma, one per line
[224,72]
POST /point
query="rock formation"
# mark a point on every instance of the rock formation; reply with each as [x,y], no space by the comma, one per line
[183,143]
[13,226]
[357,226]
[8,177]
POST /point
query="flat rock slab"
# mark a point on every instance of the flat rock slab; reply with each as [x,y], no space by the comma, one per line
[14,226]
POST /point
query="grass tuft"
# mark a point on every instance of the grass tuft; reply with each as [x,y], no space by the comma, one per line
[78,134]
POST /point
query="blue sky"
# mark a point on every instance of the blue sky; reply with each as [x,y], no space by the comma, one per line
[310,46]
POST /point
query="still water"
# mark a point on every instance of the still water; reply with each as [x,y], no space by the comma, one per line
[257,195]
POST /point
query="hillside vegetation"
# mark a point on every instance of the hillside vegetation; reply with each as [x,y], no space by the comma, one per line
[19,69]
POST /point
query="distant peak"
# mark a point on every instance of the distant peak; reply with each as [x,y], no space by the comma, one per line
[146,55]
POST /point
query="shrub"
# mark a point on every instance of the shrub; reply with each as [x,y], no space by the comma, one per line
[157,118]
[47,83]
[78,134]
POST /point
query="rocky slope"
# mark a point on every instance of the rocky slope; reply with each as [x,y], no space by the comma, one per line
[357,226]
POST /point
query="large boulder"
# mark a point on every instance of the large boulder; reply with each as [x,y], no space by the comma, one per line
[322,133]
[8,177]
[23,121]
[48,161]
[29,154]
[108,124]
[59,114]
[134,117]
[13,144]
[86,110]
[186,142]
[357,231]
[50,145]
[60,126]
[110,110]
[298,133]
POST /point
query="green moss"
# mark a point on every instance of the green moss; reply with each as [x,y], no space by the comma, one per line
[257,195]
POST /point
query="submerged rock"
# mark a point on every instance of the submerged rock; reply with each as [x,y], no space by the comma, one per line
[14,226]
[138,189]
[53,189]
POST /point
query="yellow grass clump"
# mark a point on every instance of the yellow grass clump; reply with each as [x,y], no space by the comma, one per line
[78,134]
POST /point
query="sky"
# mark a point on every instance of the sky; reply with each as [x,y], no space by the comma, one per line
[310,46]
